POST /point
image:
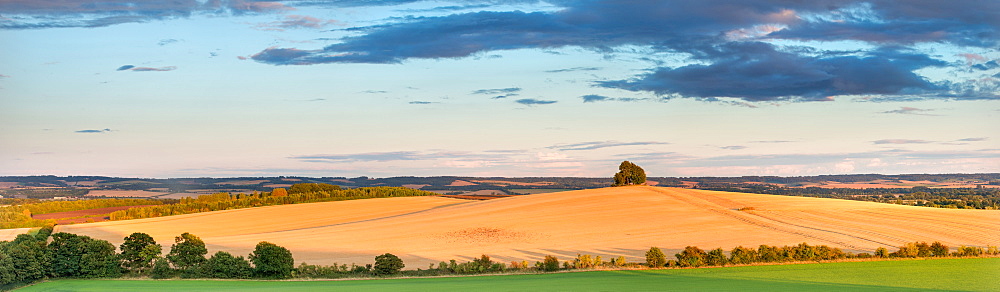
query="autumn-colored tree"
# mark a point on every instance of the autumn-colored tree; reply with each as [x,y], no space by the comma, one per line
[279,192]
[655,258]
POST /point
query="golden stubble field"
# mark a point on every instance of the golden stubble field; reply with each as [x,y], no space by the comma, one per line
[609,222]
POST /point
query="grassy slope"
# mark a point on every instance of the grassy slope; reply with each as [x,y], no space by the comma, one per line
[909,275]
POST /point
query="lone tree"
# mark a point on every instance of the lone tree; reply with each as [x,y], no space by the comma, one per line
[629,174]
[389,264]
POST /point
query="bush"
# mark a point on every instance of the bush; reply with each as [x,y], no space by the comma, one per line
[742,256]
[321,272]
[226,266]
[716,257]
[969,251]
[161,269]
[938,249]
[549,264]
[389,264]
[692,256]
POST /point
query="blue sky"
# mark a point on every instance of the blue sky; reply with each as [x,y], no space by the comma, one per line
[498,88]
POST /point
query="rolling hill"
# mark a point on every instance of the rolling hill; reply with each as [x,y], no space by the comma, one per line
[608,222]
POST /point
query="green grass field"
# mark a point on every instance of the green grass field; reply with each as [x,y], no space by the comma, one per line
[980,274]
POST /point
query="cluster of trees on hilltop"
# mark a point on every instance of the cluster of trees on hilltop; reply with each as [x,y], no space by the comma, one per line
[629,174]
[296,194]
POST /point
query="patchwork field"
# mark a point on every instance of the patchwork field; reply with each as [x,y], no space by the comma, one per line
[91,215]
[608,222]
[909,275]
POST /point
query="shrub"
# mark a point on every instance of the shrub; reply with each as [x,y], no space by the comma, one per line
[716,257]
[692,256]
[742,256]
[548,264]
[226,266]
[881,252]
[969,251]
[938,249]
[161,269]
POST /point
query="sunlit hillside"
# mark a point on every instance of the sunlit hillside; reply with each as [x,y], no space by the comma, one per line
[608,222]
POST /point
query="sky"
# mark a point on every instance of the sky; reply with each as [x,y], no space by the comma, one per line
[516,88]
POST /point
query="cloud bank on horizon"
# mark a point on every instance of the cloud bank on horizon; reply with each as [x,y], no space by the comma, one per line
[736,86]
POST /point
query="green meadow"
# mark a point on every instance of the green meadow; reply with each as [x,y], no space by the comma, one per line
[977,274]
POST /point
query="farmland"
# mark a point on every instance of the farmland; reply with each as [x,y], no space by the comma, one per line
[609,222]
[907,275]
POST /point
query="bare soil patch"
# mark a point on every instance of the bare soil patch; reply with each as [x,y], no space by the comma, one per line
[415,186]
[461,183]
[7,184]
[485,235]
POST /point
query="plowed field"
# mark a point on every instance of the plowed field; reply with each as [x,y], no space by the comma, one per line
[608,222]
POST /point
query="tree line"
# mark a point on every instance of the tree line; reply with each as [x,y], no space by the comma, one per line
[29,258]
[19,216]
[692,256]
[308,193]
